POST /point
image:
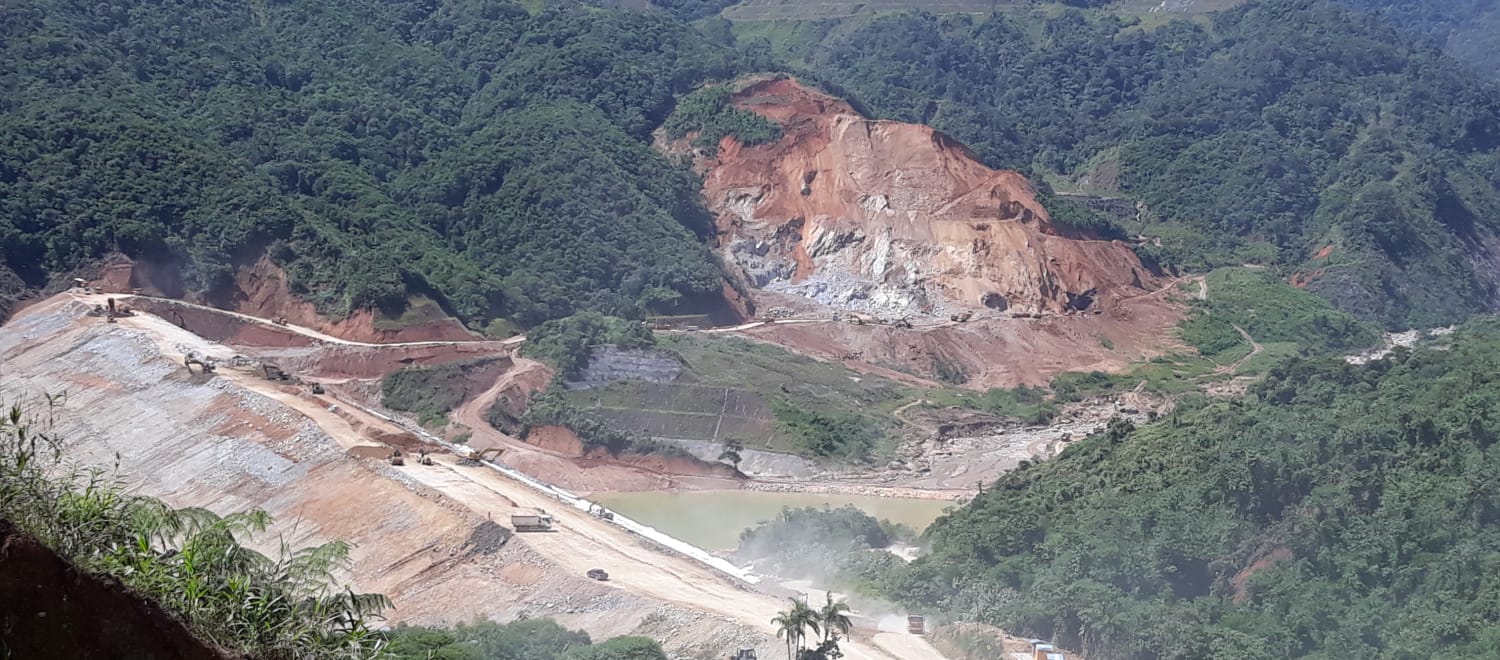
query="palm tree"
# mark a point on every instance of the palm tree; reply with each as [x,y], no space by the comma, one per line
[786,627]
[806,617]
[792,624]
[835,616]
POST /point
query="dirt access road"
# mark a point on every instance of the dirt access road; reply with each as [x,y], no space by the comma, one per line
[582,542]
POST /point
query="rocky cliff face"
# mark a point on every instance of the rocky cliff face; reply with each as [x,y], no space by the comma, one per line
[895,219]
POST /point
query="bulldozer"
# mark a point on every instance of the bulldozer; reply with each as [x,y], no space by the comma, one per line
[598,511]
[396,458]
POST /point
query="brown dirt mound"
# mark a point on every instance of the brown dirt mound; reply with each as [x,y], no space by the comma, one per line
[262,291]
[49,608]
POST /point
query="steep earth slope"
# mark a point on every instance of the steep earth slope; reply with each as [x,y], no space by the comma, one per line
[425,535]
[893,218]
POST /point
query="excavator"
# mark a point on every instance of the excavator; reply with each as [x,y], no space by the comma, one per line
[480,456]
[204,366]
[272,371]
[423,458]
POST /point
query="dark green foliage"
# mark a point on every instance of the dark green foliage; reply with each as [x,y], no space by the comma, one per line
[708,112]
[1464,29]
[527,639]
[429,391]
[1337,511]
[832,434]
[567,343]
[463,150]
[1081,385]
[693,9]
[1270,310]
[1282,127]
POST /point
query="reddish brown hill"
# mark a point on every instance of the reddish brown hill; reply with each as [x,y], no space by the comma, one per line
[261,290]
[892,218]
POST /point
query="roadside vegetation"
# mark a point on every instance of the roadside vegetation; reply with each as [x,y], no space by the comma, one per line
[527,639]
[1337,510]
[192,562]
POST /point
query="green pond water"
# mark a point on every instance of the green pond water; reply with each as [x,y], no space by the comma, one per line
[713,520]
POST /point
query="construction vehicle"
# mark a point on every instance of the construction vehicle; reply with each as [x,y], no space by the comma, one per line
[396,458]
[961,317]
[317,388]
[598,511]
[114,311]
[857,320]
[204,366]
[476,457]
[531,522]
[916,624]
[423,458]
[743,654]
[598,574]
[280,320]
[273,372]
[902,323]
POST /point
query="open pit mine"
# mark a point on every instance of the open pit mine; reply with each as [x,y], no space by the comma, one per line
[883,223]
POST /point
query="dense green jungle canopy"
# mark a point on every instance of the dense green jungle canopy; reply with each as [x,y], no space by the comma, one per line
[1338,511]
[1262,134]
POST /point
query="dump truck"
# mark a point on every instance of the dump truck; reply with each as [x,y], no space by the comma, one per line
[531,522]
[916,624]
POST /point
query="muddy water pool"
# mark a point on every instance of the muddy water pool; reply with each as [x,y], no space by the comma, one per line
[713,520]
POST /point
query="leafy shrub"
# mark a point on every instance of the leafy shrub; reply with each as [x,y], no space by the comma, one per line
[708,112]
[567,343]
[829,434]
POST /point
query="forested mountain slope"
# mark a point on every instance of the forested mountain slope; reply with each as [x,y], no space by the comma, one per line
[1336,512]
[1263,134]
[466,150]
